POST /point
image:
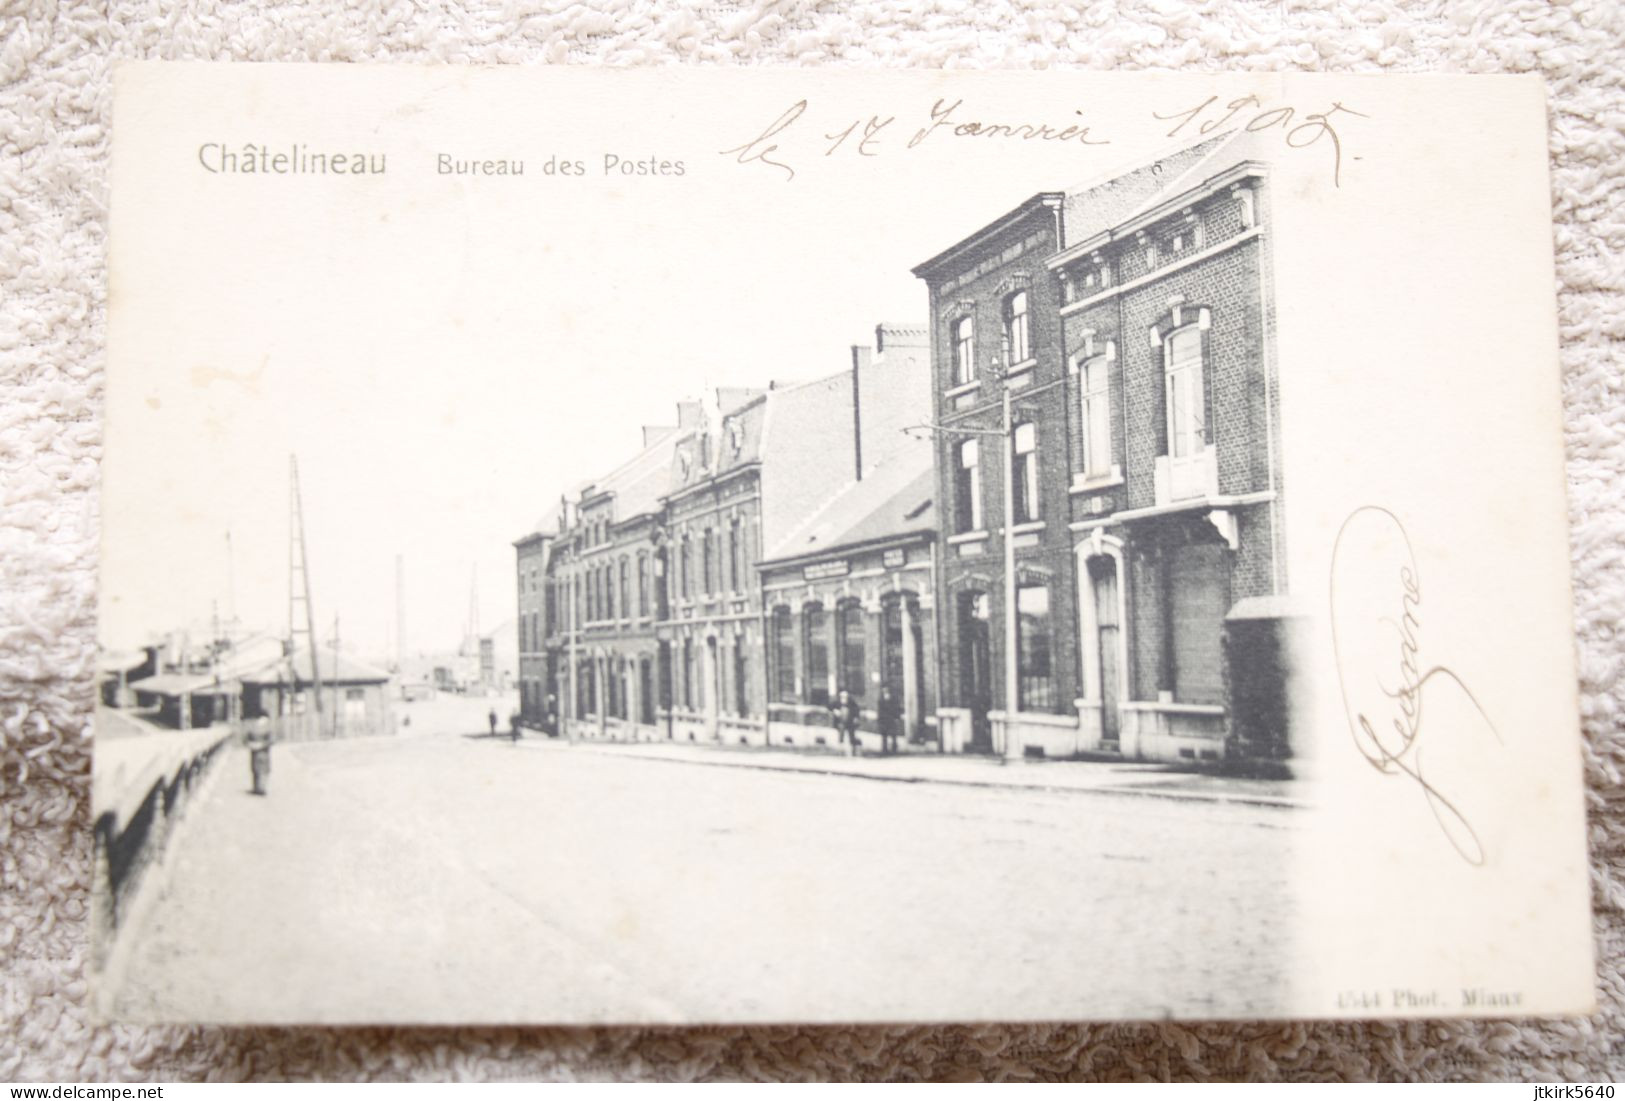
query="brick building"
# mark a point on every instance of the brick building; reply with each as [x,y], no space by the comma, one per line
[640,602]
[537,621]
[850,599]
[1131,322]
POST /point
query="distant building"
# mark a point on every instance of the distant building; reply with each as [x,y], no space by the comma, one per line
[356,700]
[651,572]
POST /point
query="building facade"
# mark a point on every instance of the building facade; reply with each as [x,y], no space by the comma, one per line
[648,588]
[850,606]
[1130,324]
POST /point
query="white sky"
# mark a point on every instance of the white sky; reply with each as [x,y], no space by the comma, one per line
[446,355]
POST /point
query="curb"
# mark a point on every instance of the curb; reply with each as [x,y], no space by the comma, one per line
[1235,799]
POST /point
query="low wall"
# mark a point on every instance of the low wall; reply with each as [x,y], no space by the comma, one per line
[140,787]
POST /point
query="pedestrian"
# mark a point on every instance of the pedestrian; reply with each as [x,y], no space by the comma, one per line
[493,722]
[890,717]
[846,721]
[258,739]
[513,725]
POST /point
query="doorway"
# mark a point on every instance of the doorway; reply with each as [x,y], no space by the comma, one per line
[976,667]
[1108,634]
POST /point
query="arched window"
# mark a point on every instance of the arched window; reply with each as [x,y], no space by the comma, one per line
[783,651]
[854,661]
[626,589]
[1017,334]
[709,559]
[1182,369]
[816,625]
[964,350]
[685,567]
[1025,443]
[643,583]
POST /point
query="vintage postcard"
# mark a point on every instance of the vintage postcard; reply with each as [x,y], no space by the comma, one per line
[797,546]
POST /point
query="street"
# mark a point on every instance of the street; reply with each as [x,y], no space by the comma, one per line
[444,878]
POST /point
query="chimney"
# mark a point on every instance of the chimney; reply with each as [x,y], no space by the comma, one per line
[860,363]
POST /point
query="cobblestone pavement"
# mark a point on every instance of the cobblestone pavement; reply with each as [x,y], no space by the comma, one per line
[451,878]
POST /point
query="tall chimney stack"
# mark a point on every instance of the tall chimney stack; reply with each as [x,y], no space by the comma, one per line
[860,363]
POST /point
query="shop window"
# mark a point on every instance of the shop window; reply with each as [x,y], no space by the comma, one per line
[854,662]
[816,625]
[1035,667]
[784,656]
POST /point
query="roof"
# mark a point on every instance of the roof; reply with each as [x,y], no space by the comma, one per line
[1096,206]
[896,499]
[1122,204]
[1044,200]
[335,668]
[119,661]
[179,684]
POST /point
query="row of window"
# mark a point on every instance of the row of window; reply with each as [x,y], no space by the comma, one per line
[968,479]
[1016,335]
[605,592]
[1036,686]
[1186,427]
[834,651]
[721,568]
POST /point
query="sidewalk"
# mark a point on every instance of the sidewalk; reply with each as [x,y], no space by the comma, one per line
[1110,777]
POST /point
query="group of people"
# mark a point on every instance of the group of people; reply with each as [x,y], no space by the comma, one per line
[846,712]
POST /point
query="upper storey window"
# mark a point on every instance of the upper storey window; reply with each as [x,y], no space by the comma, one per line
[964,350]
[1017,334]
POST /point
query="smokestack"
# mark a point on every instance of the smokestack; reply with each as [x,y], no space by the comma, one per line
[400,613]
[860,361]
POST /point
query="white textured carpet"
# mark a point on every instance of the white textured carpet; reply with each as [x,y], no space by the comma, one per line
[54,115]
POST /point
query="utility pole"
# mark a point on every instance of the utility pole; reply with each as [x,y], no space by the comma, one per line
[299,592]
[400,613]
[1011,671]
[1005,434]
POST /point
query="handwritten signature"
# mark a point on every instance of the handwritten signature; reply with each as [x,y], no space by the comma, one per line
[782,142]
[1385,715]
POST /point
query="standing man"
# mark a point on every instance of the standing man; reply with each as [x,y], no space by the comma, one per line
[846,721]
[513,725]
[890,716]
[493,722]
[259,752]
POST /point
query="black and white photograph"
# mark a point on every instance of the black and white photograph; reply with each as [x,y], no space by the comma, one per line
[791,548]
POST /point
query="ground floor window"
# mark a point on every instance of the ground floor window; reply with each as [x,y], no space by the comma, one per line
[783,653]
[816,624]
[1198,595]
[854,662]
[1035,667]
[741,679]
